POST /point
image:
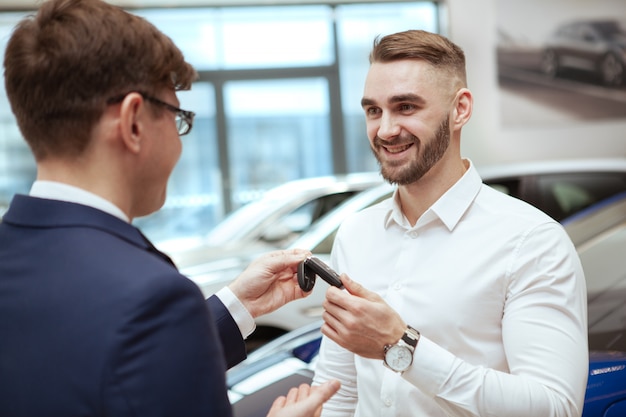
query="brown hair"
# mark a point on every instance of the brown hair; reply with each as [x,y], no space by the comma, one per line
[65,62]
[439,51]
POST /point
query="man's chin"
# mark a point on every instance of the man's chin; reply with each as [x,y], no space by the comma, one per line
[393,176]
[400,175]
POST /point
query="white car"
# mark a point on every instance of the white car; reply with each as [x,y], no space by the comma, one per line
[599,234]
[561,188]
[273,221]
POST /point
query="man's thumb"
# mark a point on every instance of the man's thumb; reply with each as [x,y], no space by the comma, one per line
[353,287]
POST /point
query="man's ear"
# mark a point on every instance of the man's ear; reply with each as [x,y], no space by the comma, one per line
[463,105]
[132,112]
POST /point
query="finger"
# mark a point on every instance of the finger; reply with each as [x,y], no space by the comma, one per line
[354,287]
[328,331]
[327,389]
[336,297]
[295,255]
[303,391]
[278,403]
[280,260]
[292,396]
[301,252]
[339,305]
[332,314]
[335,331]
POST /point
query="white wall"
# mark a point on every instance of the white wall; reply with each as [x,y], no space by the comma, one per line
[472,25]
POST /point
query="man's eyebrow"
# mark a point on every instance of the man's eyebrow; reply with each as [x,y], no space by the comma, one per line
[402,98]
[367,102]
[411,98]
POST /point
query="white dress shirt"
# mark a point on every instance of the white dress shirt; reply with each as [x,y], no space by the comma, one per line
[59,191]
[497,291]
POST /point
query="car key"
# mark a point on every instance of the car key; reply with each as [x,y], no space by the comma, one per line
[312,267]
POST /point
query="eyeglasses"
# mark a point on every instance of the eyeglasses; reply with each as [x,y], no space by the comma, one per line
[184,118]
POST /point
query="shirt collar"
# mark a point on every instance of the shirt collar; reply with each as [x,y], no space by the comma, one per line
[449,208]
[63,192]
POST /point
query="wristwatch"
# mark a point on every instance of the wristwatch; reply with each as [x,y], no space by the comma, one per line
[399,357]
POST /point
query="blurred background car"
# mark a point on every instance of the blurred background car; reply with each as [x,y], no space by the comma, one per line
[276,219]
[599,234]
[560,188]
[597,47]
[211,276]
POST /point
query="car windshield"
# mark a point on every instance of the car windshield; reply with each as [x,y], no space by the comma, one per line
[599,234]
[609,29]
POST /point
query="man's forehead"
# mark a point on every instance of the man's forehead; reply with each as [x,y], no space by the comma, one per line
[404,80]
[402,66]
[399,80]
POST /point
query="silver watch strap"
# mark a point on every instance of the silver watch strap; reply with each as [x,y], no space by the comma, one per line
[411,337]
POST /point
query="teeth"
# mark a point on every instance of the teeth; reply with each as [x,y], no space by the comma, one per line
[398,149]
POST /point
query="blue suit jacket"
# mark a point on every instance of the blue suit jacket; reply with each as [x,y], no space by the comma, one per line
[94,323]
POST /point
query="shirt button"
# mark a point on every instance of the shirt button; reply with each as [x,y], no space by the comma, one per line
[413,234]
[388,402]
[397,286]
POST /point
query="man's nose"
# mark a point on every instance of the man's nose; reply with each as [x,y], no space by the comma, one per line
[388,128]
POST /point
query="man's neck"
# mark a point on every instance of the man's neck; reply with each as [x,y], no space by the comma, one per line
[55,190]
[417,197]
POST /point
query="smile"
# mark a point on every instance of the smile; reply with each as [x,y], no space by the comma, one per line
[397,149]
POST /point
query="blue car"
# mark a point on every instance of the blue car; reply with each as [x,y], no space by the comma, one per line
[606,387]
[599,234]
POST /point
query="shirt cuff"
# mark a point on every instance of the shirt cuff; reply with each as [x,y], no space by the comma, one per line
[431,368]
[240,314]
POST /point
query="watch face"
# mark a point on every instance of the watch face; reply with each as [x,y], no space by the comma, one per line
[398,358]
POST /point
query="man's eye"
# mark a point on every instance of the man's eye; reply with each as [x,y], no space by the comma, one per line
[407,107]
[372,111]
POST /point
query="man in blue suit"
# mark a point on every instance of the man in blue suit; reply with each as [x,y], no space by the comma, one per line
[94,321]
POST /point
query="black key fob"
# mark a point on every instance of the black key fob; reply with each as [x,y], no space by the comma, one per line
[313,267]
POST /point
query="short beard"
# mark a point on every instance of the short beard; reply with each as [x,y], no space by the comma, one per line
[433,152]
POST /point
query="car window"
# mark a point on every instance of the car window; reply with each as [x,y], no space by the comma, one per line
[329,202]
[326,244]
[506,186]
[284,228]
[605,270]
[588,34]
[563,195]
[288,227]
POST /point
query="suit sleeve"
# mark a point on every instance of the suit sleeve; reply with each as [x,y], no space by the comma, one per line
[168,359]
[233,345]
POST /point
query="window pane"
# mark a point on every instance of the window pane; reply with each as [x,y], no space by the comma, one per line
[192,30]
[277,37]
[278,130]
[357,26]
[249,37]
[194,199]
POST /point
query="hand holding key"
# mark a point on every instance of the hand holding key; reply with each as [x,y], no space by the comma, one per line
[312,267]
